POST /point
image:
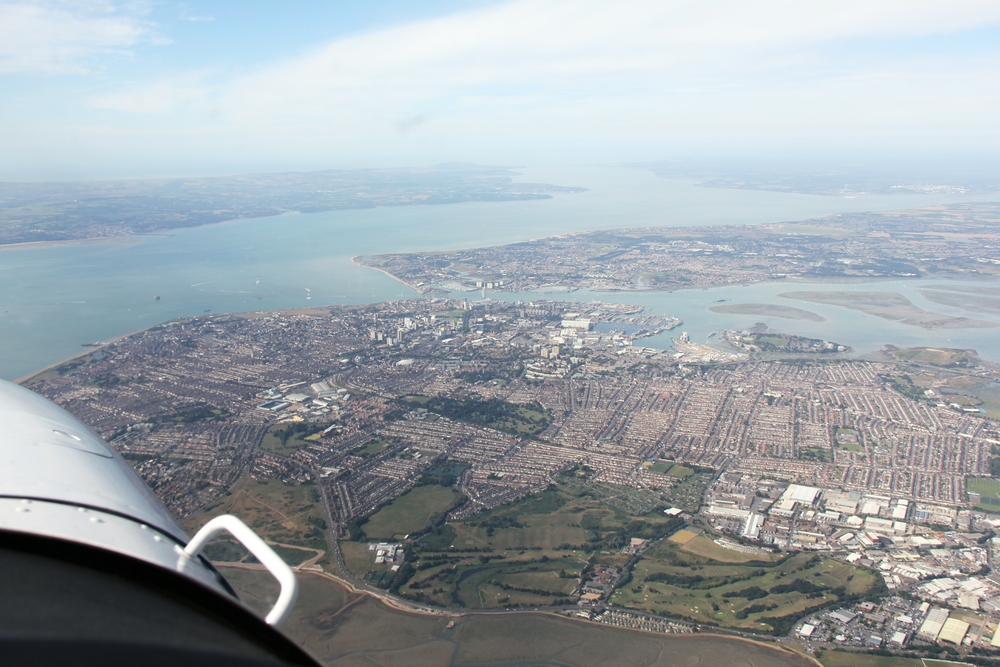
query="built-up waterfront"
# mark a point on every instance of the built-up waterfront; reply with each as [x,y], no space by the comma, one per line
[55,298]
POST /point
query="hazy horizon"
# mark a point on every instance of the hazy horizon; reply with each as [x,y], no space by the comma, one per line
[140,89]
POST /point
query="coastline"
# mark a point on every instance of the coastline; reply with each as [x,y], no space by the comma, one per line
[136,238]
[799,280]
[169,231]
[418,290]
[249,314]
[423,291]
[710,633]
[96,240]
[25,378]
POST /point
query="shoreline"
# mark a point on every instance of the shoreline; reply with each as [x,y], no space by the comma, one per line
[96,240]
[307,310]
[132,238]
[24,378]
[713,633]
[420,292]
[170,231]
[797,280]
[416,289]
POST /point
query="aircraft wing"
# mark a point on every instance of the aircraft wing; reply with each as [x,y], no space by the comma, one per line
[95,570]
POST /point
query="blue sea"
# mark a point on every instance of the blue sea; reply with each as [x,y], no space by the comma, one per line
[55,298]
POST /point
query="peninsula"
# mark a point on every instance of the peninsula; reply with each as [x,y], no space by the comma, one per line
[957,241]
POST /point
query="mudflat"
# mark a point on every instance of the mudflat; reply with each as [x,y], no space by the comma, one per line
[343,628]
[969,289]
[768,310]
[974,300]
[890,306]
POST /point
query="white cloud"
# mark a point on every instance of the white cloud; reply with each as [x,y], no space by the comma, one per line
[160,96]
[187,15]
[541,79]
[531,61]
[54,37]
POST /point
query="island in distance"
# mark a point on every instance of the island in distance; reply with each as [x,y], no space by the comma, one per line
[826,182]
[37,212]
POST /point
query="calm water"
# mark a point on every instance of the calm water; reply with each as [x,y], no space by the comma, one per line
[862,332]
[53,299]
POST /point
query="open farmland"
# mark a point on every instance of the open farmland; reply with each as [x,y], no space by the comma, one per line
[706,583]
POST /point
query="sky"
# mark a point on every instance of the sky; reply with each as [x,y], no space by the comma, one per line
[141,88]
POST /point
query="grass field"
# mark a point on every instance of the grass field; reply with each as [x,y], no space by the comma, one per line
[846,438]
[705,547]
[357,558]
[991,405]
[989,489]
[514,580]
[775,342]
[409,513]
[544,531]
[816,454]
[671,469]
[966,390]
[706,583]
[286,439]
[371,448]
[933,356]
[529,553]
[682,536]
[519,419]
[276,511]
[227,550]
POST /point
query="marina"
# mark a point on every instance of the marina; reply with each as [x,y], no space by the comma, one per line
[105,288]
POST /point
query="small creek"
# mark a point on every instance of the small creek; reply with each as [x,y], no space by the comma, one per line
[458,584]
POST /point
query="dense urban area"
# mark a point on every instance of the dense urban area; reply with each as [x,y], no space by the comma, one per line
[492,455]
[952,241]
